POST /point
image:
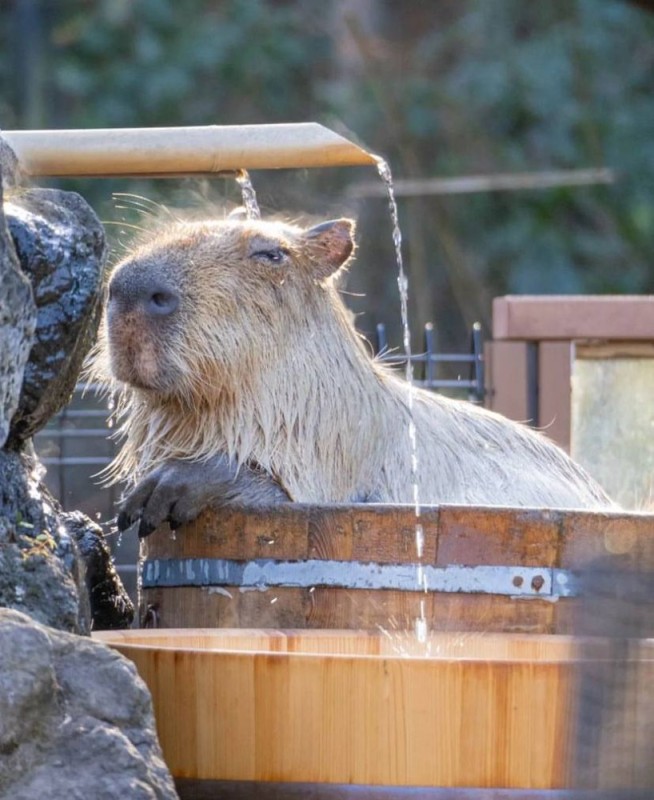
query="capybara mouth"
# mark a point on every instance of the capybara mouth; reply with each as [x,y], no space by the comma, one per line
[135,357]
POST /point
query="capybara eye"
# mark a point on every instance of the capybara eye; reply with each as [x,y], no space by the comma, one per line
[275,256]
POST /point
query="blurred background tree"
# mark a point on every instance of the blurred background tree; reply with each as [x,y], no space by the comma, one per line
[442,89]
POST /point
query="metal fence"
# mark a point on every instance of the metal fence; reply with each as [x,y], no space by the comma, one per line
[431,363]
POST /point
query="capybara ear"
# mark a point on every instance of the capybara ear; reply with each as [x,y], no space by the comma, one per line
[330,244]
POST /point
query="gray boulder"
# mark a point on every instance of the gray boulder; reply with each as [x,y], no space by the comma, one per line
[60,245]
[40,572]
[52,251]
[17,319]
[111,607]
[76,720]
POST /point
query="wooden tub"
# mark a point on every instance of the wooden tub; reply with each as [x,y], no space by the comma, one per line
[338,567]
[369,709]
[319,681]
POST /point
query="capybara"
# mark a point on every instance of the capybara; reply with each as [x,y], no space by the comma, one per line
[242,380]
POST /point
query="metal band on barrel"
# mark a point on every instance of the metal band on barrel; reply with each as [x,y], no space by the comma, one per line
[544,582]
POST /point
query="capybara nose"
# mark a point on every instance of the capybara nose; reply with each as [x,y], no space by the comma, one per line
[126,294]
[161,302]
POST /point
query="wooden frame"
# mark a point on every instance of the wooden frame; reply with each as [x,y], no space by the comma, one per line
[536,340]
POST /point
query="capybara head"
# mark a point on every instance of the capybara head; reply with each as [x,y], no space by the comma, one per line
[192,310]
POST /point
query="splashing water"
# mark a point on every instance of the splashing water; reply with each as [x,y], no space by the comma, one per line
[111,407]
[248,194]
[384,170]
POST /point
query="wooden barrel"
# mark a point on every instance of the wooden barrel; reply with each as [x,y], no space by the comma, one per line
[321,707]
[355,567]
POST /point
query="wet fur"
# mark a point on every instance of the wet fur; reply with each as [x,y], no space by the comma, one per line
[263,364]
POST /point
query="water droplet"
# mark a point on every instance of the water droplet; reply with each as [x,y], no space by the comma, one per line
[248,195]
[421,630]
[420,540]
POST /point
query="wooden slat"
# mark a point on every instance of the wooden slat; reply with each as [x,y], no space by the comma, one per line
[507,379]
[473,536]
[554,391]
[574,317]
[606,350]
[627,537]
[281,533]
[328,608]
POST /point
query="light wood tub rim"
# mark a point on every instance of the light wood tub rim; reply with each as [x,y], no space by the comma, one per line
[569,648]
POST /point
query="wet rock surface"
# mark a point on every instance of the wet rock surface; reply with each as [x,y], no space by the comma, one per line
[52,252]
[76,721]
[40,571]
[60,245]
[111,607]
[17,321]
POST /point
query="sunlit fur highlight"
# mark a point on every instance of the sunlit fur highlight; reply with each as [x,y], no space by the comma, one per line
[269,368]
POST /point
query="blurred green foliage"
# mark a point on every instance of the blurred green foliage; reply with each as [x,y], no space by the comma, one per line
[443,89]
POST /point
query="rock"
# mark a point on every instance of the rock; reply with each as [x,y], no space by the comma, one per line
[111,606]
[17,319]
[40,572]
[56,239]
[76,720]
[11,173]
[60,245]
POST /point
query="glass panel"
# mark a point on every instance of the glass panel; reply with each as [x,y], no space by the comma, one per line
[613,426]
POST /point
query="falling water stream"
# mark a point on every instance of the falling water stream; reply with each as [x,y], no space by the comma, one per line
[252,211]
[403,285]
[248,194]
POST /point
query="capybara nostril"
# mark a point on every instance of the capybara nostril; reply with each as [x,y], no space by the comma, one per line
[161,303]
[129,292]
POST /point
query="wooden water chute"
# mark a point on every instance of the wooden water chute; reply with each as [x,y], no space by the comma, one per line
[339,567]
[170,152]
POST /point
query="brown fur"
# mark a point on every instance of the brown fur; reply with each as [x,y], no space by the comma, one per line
[261,362]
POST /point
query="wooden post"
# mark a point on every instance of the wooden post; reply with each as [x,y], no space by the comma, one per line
[535,342]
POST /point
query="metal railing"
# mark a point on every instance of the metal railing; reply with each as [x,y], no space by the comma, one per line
[432,361]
